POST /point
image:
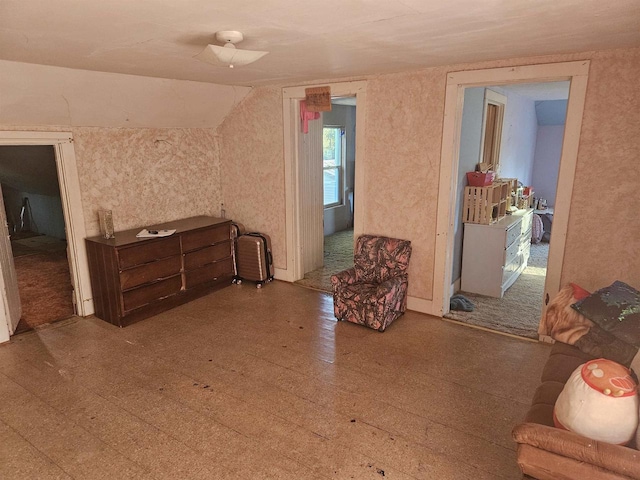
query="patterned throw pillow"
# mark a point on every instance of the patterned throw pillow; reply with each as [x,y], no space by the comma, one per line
[599,401]
[615,309]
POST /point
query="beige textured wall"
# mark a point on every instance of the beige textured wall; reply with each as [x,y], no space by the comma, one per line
[252,167]
[404,130]
[402,151]
[147,175]
[603,240]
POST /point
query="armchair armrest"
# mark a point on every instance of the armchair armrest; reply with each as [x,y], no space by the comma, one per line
[617,459]
[391,284]
[347,277]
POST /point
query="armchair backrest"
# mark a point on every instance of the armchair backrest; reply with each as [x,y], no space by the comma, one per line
[376,259]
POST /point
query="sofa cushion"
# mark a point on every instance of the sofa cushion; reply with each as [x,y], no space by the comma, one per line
[544,399]
[563,360]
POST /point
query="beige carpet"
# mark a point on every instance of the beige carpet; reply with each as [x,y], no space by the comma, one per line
[44,282]
[28,243]
[518,312]
[338,256]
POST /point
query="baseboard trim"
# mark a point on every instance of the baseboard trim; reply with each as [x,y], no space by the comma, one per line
[415,304]
[422,305]
[282,274]
[485,329]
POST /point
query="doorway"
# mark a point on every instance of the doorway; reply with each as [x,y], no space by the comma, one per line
[528,157]
[338,193]
[574,72]
[35,219]
[304,240]
[65,164]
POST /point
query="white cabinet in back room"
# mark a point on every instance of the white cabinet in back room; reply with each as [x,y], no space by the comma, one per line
[494,256]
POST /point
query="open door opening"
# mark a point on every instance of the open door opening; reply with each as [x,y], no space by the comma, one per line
[457,85]
[35,226]
[499,271]
[69,184]
[336,181]
[306,221]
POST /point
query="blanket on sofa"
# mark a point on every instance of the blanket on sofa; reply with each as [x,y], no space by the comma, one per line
[566,324]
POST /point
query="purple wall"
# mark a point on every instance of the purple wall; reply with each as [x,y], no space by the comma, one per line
[547,162]
[519,132]
[470,140]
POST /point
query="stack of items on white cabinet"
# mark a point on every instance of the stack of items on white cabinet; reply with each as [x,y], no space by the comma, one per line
[494,256]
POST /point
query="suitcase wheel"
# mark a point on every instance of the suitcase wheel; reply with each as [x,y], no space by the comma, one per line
[239,281]
[259,285]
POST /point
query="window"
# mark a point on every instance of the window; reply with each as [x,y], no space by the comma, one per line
[494,105]
[332,164]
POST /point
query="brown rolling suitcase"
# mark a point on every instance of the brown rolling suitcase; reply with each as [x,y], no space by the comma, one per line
[254,259]
[237,229]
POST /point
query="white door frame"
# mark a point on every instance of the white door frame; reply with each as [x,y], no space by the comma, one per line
[12,307]
[291,115]
[577,74]
[62,143]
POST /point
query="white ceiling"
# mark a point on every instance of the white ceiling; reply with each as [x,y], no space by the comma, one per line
[307,40]
[540,91]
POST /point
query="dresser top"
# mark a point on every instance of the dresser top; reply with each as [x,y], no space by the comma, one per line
[128,237]
[505,222]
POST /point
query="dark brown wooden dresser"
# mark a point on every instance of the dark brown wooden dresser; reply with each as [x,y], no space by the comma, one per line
[135,278]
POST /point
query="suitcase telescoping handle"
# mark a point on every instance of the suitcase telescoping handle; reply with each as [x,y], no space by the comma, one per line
[268,257]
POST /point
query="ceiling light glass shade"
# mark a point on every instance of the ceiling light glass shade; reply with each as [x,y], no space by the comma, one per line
[229,56]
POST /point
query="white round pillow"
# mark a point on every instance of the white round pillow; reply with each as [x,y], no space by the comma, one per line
[599,401]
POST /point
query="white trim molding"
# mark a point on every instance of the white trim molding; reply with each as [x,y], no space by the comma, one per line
[577,74]
[420,305]
[62,143]
[291,114]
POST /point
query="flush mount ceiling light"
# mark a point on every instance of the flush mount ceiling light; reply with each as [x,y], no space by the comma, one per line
[229,55]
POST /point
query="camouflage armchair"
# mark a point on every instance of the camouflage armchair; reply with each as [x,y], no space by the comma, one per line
[374,291]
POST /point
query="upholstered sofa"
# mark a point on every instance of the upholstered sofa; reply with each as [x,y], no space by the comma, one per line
[548,453]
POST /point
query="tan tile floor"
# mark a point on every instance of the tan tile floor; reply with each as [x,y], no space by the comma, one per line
[251,384]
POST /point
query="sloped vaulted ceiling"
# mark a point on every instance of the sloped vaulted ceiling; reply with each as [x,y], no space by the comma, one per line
[306,40]
[29,169]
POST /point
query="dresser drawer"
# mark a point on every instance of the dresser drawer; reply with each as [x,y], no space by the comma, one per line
[527,221]
[148,293]
[209,273]
[150,272]
[206,255]
[525,250]
[509,269]
[511,253]
[205,237]
[148,251]
[513,233]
